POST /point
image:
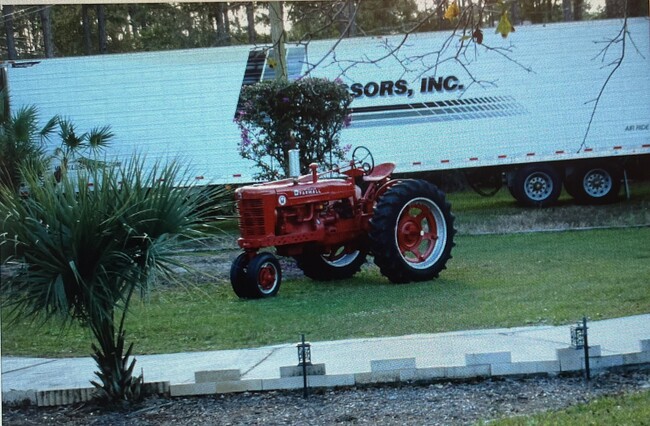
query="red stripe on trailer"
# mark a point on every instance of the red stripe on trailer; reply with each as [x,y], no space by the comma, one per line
[473,159]
[645,145]
[503,156]
[237,175]
[444,161]
[417,163]
[559,152]
[530,154]
[618,147]
[90,184]
[199,178]
[588,149]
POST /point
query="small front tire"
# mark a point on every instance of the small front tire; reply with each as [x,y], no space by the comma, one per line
[238,276]
[263,276]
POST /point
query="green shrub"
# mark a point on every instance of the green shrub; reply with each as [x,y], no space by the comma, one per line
[277,116]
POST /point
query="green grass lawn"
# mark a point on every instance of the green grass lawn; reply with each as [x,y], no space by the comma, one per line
[492,281]
[623,410]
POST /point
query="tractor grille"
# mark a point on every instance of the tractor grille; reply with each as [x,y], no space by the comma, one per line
[251,218]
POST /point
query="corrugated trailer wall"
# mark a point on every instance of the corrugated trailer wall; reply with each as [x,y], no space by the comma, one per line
[494,111]
[160,105]
[526,99]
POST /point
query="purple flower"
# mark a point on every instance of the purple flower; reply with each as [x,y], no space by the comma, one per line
[245,140]
[347,120]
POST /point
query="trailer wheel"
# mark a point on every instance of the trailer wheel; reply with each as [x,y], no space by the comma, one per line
[412,232]
[238,276]
[536,185]
[594,184]
[337,264]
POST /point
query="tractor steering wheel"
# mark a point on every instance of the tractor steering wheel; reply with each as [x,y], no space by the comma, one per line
[362,158]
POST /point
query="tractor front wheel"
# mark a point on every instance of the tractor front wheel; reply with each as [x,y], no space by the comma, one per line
[257,277]
[412,232]
[337,264]
[238,276]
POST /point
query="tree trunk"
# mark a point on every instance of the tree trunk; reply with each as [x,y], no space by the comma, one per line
[85,22]
[222,32]
[8,13]
[101,29]
[577,10]
[250,17]
[347,24]
[278,38]
[226,23]
[48,37]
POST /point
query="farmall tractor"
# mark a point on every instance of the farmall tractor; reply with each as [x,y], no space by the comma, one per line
[329,225]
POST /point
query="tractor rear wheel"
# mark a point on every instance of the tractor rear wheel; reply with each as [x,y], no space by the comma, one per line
[256,277]
[412,232]
[338,264]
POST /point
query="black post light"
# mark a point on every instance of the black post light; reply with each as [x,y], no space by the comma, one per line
[579,341]
[304,359]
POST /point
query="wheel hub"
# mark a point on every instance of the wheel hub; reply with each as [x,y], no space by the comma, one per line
[538,187]
[416,233]
[267,276]
[597,183]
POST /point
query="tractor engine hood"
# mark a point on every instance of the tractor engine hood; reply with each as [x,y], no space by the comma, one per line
[290,192]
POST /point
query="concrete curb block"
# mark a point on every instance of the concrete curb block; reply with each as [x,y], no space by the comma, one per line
[381,371]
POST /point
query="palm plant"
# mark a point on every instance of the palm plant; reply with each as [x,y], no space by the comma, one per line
[21,142]
[89,249]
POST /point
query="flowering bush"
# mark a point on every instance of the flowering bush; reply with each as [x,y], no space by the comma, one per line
[307,114]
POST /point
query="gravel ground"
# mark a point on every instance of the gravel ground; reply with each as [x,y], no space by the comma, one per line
[441,403]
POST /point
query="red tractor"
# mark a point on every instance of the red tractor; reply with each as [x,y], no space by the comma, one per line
[328,224]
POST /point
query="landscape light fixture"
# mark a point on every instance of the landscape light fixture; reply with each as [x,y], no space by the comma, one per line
[304,352]
[578,332]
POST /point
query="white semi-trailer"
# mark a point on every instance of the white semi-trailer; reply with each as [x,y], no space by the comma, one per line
[521,108]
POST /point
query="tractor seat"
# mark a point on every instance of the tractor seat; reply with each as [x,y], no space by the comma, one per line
[380,172]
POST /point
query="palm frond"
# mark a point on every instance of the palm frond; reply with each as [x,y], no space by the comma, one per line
[100,137]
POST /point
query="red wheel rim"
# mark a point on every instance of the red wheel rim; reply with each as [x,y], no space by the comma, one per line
[267,277]
[417,232]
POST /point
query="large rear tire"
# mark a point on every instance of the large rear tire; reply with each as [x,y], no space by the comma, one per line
[412,232]
[594,183]
[338,264]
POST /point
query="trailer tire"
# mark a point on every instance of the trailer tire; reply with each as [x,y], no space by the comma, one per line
[536,185]
[596,183]
[335,265]
[412,232]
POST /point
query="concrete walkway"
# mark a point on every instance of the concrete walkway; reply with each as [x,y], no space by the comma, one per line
[523,350]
